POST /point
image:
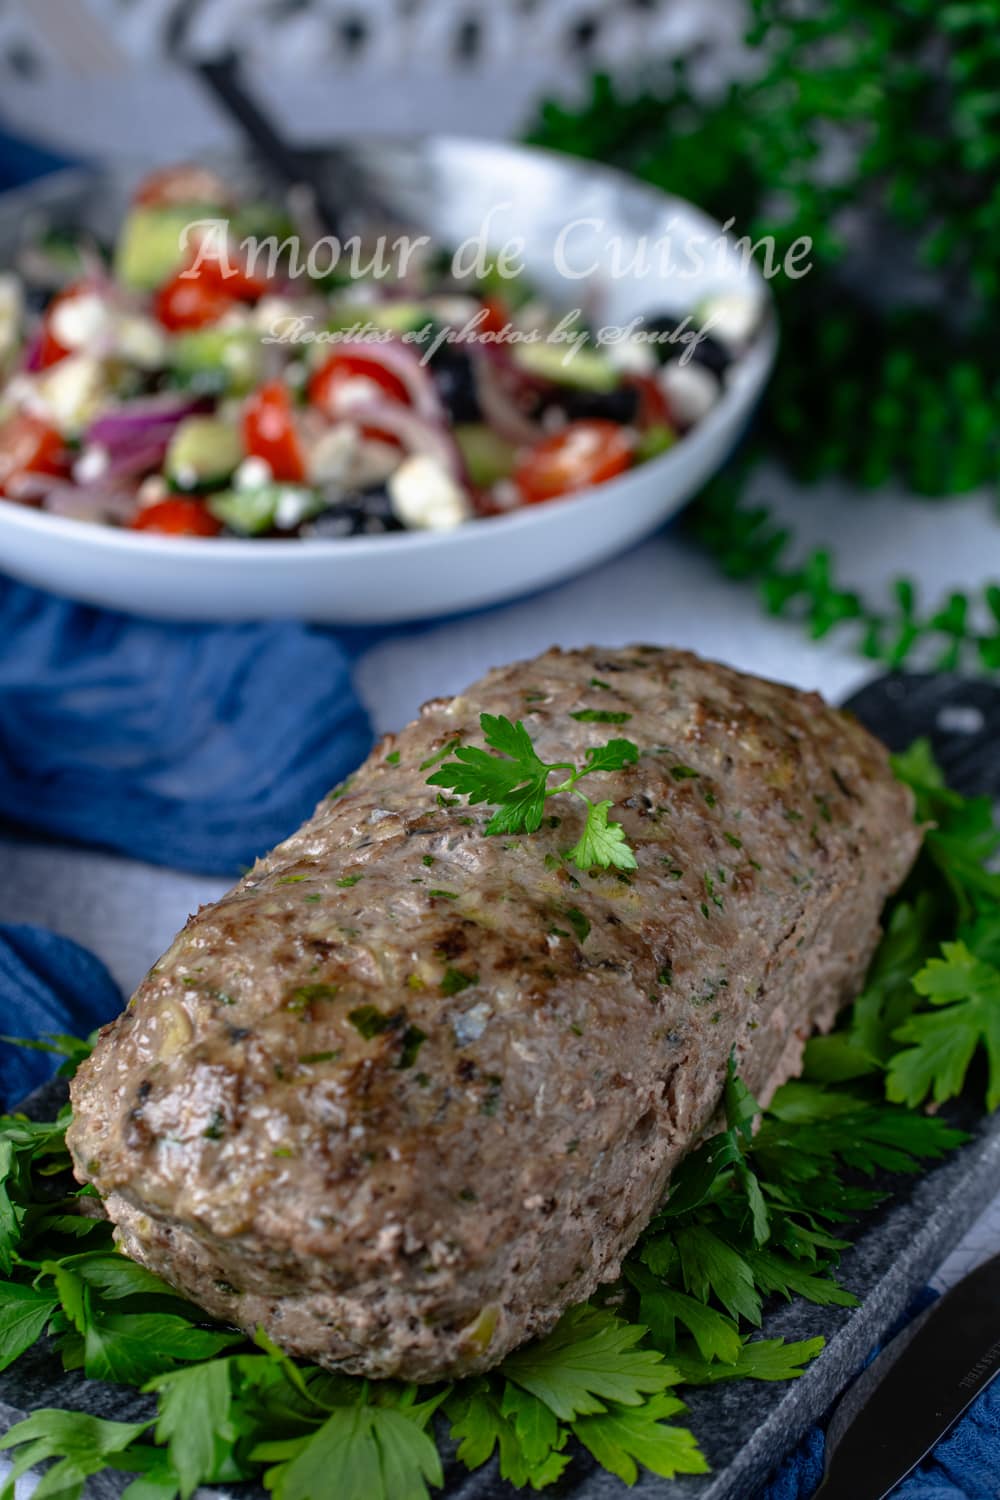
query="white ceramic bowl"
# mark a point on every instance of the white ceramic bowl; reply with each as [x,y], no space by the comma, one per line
[447,186]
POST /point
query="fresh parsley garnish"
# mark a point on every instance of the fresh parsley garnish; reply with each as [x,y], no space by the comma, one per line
[939,1044]
[371,1022]
[516,781]
[413,1040]
[578,922]
[600,716]
[453,981]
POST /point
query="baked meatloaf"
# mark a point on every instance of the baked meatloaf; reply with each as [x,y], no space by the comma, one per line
[409,1090]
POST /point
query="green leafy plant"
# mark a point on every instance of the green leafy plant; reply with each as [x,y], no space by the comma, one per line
[751,1216]
[863,126]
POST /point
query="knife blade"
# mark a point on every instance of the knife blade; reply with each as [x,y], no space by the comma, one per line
[918,1387]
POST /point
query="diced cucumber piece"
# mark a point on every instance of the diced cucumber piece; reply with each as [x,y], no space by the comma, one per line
[586,370]
[401,317]
[216,361]
[653,442]
[515,291]
[203,454]
[397,317]
[488,457]
[272,507]
[149,248]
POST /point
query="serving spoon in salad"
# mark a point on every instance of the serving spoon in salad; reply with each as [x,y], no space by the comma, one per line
[293,168]
[338,190]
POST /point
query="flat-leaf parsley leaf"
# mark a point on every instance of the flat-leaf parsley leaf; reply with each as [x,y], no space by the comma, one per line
[516,781]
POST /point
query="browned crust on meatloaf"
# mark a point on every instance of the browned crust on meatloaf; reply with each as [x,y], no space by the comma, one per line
[392,1205]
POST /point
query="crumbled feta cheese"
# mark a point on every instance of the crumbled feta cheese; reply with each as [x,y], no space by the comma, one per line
[631,356]
[730,317]
[80,321]
[453,310]
[234,320]
[73,391]
[87,322]
[252,474]
[92,464]
[140,341]
[294,504]
[360,295]
[21,391]
[691,390]
[271,313]
[506,494]
[357,390]
[152,490]
[425,496]
[332,457]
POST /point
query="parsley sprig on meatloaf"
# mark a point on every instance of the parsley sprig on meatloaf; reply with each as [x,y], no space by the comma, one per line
[516,781]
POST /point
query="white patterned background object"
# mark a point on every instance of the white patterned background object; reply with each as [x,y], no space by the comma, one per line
[109,76]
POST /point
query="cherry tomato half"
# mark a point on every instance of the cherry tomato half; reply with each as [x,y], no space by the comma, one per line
[331,378]
[497,315]
[50,350]
[232,279]
[578,455]
[654,409]
[181,515]
[269,432]
[190,302]
[28,445]
[182,184]
[229,272]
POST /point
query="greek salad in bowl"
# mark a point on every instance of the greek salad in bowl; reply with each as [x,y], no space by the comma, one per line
[175,386]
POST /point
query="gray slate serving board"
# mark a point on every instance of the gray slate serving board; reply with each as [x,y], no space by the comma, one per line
[745,1428]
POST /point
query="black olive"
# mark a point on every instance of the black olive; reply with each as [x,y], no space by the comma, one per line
[708,351]
[620,405]
[451,369]
[365,513]
[338,521]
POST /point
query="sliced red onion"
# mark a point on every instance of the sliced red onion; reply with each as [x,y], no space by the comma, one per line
[148,416]
[402,361]
[29,488]
[32,357]
[102,504]
[499,405]
[142,456]
[414,432]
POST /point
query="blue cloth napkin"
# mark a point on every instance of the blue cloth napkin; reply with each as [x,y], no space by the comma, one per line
[49,984]
[21,161]
[195,747]
[964,1466]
